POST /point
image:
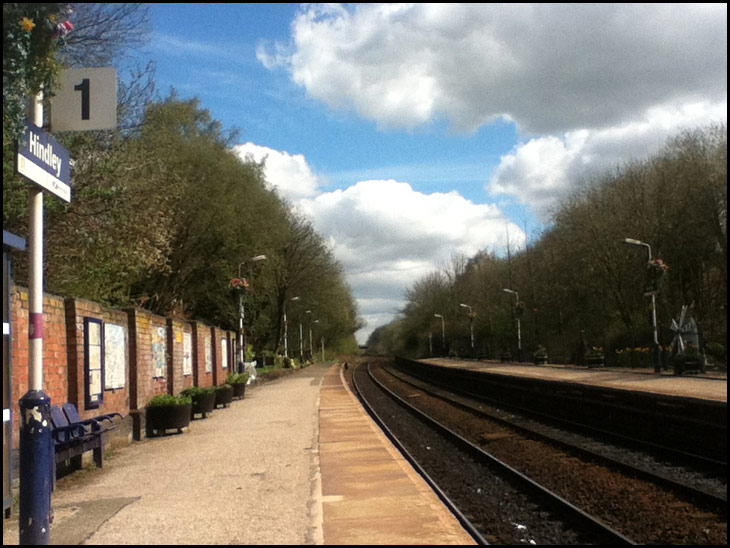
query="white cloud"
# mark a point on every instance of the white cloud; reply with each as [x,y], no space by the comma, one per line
[388,235]
[289,174]
[542,170]
[385,234]
[548,67]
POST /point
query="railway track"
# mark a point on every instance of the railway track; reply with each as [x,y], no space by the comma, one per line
[706,485]
[515,490]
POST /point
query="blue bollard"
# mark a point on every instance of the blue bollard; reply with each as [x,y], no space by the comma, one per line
[36,468]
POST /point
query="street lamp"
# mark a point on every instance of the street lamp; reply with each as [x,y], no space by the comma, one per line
[443,333]
[656,357]
[286,329]
[471,325]
[241,340]
[519,334]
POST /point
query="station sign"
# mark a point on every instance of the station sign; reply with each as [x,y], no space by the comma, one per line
[44,161]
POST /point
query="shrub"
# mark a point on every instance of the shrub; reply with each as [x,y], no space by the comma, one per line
[196,391]
[237,378]
[715,350]
[167,400]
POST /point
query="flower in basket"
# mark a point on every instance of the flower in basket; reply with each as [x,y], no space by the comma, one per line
[239,284]
[520,308]
[655,270]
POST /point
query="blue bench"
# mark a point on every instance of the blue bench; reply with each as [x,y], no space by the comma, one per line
[73,436]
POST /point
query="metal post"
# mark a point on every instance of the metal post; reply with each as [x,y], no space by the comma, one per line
[471,326]
[36,465]
[656,354]
[656,358]
[517,316]
[286,334]
[443,333]
[241,337]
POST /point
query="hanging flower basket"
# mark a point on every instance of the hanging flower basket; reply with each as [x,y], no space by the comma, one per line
[655,270]
[239,284]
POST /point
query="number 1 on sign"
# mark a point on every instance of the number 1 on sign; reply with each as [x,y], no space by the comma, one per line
[83,87]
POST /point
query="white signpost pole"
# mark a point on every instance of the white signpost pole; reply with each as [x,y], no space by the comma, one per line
[36,450]
[85,101]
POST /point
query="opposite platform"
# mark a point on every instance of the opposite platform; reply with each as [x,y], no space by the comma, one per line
[370,494]
[710,387]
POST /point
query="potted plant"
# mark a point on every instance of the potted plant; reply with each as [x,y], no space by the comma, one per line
[203,399]
[689,359]
[595,357]
[166,412]
[540,356]
[223,395]
[238,382]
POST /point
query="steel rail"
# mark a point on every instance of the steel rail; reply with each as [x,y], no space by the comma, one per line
[705,497]
[599,528]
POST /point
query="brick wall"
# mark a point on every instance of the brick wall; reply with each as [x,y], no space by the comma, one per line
[153,356]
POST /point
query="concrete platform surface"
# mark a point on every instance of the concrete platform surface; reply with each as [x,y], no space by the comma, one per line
[711,386]
[370,493]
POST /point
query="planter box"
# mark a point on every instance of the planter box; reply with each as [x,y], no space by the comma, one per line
[223,395]
[239,390]
[595,361]
[167,417]
[203,404]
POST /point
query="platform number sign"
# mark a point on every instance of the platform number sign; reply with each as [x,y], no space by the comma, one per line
[86,99]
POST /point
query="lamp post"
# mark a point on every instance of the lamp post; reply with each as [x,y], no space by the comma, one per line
[286,329]
[519,334]
[471,325]
[241,340]
[443,333]
[311,348]
[656,357]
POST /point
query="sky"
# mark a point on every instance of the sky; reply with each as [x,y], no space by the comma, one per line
[411,133]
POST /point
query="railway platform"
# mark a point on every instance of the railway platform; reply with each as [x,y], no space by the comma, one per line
[297,461]
[711,386]
[370,494]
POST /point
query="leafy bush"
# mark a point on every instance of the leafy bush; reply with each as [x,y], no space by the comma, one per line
[197,391]
[716,350]
[541,352]
[167,400]
[237,378]
[690,359]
